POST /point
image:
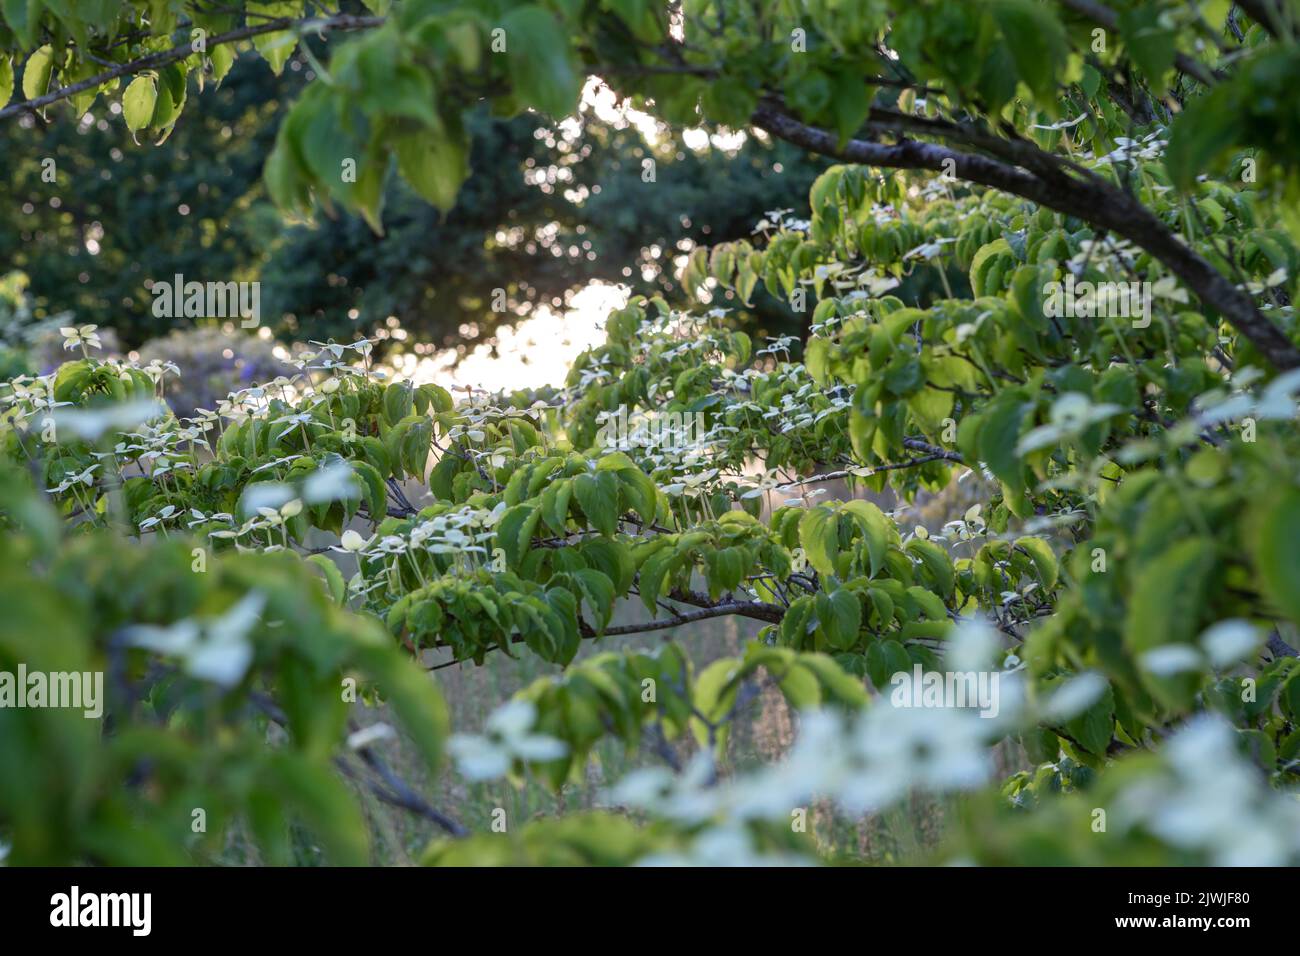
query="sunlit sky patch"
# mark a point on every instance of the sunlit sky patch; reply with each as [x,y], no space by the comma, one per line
[536,352]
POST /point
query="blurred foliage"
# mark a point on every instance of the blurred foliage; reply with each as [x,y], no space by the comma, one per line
[180,759]
[121,213]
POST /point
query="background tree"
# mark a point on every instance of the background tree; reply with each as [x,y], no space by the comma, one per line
[120,212]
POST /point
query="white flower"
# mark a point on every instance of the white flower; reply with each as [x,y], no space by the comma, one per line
[1214,801]
[85,334]
[1168,288]
[91,423]
[1275,278]
[1073,697]
[369,735]
[264,496]
[216,650]
[1228,642]
[352,541]
[84,478]
[1170,660]
[1278,400]
[1071,414]
[508,738]
[900,749]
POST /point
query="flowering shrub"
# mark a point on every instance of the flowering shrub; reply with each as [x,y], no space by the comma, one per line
[1022,278]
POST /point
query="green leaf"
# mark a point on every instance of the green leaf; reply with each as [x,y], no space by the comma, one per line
[599,591]
[555,504]
[374,487]
[841,685]
[1169,594]
[714,693]
[794,625]
[416,442]
[413,696]
[884,660]
[936,562]
[325,805]
[998,436]
[729,101]
[840,616]
[1045,563]
[36,74]
[815,357]
[850,102]
[929,603]
[436,164]
[1276,551]
[800,686]
[640,492]
[1203,132]
[819,538]
[222,59]
[398,402]
[1036,41]
[598,497]
[333,577]
[138,102]
[1152,45]
[170,98]
[876,528]
[650,578]
[515,531]
[726,569]
[23,17]
[537,52]
[1094,728]
[6,80]
[276,48]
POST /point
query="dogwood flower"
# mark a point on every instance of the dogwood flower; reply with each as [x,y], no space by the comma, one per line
[83,335]
[352,542]
[216,649]
[508,738]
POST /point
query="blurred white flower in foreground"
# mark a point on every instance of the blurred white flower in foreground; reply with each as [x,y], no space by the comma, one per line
[91,423]
[1213,800]
[508,737]
[216,650]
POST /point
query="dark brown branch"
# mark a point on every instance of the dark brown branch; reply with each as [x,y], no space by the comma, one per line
[1093,201]
[750,609]
[184,50]
[393,789]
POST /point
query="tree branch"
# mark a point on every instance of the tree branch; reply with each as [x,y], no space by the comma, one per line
[1267,13]
[184,50]
[1093,201]
[1108,18]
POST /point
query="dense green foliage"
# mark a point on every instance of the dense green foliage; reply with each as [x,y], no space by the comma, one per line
[1129,582]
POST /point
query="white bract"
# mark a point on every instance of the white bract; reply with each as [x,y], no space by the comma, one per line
[216,649]
[508,737]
